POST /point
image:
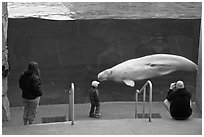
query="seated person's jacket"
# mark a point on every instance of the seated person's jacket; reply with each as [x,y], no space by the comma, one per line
[179,103]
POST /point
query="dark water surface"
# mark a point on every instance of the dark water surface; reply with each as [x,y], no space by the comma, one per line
[102,36]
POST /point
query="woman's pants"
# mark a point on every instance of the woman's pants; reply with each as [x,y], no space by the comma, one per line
[30,110]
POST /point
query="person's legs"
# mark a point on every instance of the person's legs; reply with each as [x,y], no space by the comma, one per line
[26,111]
[25,121]
[33,105]
[167,104]
[97,112]
[91,113]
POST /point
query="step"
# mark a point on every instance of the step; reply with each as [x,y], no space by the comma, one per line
[164,126]
[109,111]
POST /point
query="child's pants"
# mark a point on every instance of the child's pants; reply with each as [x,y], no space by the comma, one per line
[94,108]
[30,110]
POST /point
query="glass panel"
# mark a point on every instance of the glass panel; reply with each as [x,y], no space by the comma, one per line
[77,50]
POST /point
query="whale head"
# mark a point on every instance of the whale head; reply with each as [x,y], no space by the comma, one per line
[105,75]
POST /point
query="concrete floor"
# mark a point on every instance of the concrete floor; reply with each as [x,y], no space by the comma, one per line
[117,118]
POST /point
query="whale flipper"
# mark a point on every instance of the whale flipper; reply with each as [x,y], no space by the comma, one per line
[129,82]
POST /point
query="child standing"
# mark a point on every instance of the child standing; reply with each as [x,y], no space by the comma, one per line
[94,99]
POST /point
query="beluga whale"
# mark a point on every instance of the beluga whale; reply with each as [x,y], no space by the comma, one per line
[146,67]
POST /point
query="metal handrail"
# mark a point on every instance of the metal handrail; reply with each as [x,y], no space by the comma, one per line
[144,96]
[71,104]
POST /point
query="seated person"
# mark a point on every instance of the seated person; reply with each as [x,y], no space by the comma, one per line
[178,101]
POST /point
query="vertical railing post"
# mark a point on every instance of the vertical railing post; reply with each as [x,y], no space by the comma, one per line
[72,104]
[136,101]
[150,101]
[144,96]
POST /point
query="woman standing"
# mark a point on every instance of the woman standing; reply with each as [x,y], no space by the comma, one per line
[30,83]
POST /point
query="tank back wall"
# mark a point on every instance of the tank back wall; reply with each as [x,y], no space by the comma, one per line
[77,50]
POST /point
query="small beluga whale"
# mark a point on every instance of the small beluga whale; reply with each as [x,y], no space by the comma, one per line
[147,67]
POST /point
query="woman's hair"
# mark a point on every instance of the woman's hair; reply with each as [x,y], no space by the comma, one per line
[33,68]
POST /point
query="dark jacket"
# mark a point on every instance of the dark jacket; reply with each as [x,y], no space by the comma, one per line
[94,97]
[30,85]
[180,103]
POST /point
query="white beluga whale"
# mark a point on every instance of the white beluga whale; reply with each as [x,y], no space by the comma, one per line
[147,67]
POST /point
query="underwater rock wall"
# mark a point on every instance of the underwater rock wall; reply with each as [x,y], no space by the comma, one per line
[5,65]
